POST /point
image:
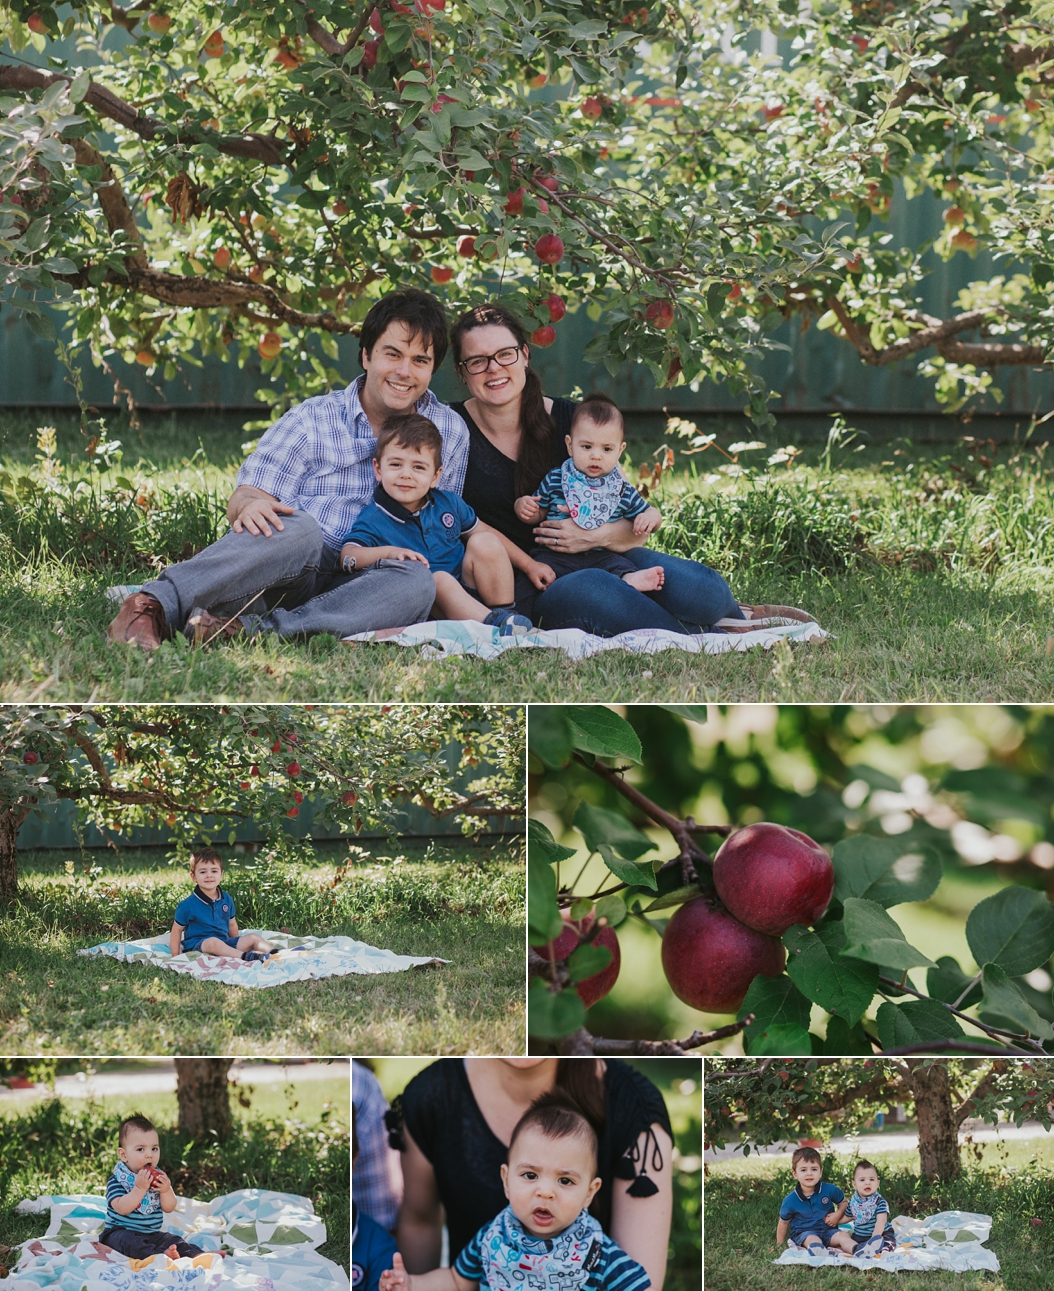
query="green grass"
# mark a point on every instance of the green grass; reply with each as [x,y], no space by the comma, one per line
[460,903]
[56,1147]
[1009,1182]
[932,569]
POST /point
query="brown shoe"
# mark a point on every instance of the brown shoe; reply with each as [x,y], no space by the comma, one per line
[140,621]
[203,628]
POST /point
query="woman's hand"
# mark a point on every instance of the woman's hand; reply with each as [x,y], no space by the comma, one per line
[648,521]
[528,510]
[540,575]
[564,536]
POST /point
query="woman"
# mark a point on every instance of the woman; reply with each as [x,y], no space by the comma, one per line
[456,1120]
[516,435]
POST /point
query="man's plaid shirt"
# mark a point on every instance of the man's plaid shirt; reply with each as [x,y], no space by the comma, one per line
[318,457]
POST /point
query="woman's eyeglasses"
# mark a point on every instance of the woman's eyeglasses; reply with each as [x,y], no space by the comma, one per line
[481,362]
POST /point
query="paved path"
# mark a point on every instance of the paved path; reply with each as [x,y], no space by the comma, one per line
[160,1078]
[893,1141]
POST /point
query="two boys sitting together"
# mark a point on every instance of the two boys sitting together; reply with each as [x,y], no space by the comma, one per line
[810,1215]
[409,519]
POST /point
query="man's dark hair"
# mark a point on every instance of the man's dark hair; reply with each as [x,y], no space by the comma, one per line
[557,1117]
[600,409]
[134,1123]
[410,430]
[419,310]
[204,854]
[864,1165]
[805,1154]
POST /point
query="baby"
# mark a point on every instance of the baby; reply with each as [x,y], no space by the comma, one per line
[869,1212]
[137,1194]
[545,1237]
[589,487]
[205,920]
[812,1212]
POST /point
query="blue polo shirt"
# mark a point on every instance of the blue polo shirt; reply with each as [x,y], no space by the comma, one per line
[806,1214]
[199,917]
[436,531]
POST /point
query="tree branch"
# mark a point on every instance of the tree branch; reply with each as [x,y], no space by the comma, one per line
[581,1042]
[992,355]
[937,331]
[325,39]
[967,1108]
[946,1045]
[1036,1047]
[473,805]
[114,204]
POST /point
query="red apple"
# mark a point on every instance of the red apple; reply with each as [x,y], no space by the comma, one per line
[293,769]
[214,45]
[542,205]
[269,348]
[773,111]
[222,258]
[964,241]
[549,248]
[369,54]
[854,265]
[441,274]
[659,313]
[591,108]
[514,204]
[771,877]
[298,797]
[254,769]
[350,798]
[466,247]
[159,23]
[596,987]
[256,273]
[31,759]
[550,182]
[557,307]
[710,958]
[293,811]
[736,291]
[955,215]
[340,207]
[543,337]
[442,99]
[35,22]
[146,357]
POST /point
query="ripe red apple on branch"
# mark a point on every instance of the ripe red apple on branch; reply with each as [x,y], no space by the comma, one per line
[710,958]
[771,877]
[594,988]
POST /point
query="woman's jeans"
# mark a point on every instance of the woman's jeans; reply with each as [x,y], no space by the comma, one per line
[692,599]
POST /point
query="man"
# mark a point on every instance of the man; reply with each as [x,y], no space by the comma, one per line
[278,567]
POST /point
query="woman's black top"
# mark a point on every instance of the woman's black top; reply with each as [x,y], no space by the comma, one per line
[440,1111]
[490,481]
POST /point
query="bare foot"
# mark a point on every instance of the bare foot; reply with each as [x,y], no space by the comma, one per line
[173,1252]
[646,580]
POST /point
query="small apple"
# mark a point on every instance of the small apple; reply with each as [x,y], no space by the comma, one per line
[31,759]
[256,273]
[400,8]
[440,274]
[287,59]
[736,292]
[243,784]
[550,182]
[350,798]
[771,877]
[543,337]
[159,23]
[594,988]
[293,811]
[955,215]
[222,258]
[549,248]
[35,22]
[298,797]
[170,820]
[855,265]
[441,101]
[659,313]
[514,202]
[964,241]
[293,769]
[861,42]
[542,205]
[145,357]
[254,769]
[536,79]
[591,108]
[772,111]
[214,45]
[466,247]
[557,307]
[340,207]
[710,958]
[269,348]
[370,50]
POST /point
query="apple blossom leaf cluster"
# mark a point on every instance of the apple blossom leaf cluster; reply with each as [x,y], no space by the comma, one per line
[200,769]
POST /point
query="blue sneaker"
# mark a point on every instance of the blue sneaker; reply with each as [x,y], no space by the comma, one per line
[508,624]
[252,956]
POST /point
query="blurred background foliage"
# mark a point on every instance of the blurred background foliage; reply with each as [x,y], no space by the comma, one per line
[976,782]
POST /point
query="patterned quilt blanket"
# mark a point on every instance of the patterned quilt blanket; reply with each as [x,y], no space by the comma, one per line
[269,1240]
[298,959]
[951,1241]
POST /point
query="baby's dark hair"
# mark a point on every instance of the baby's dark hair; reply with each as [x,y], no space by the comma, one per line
[134,1123]
[805,1154]
[600,409]
[558,1117]
[864,1165]
[410,430]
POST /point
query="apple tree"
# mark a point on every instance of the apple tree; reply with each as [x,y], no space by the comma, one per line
[241,178]
[774,928]
[755,1102]
[200,769]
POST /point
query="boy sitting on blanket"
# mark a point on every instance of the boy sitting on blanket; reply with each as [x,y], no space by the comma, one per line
[205,920]
[545,1237]
[812,1212]
[137,1194]
[869,1211]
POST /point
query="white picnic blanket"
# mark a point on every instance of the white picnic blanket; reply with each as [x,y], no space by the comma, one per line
[312,957]
[270,1240]
[448,637]
[951,1241]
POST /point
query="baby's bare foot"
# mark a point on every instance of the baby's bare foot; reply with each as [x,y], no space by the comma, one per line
[173,1252]
[646,580]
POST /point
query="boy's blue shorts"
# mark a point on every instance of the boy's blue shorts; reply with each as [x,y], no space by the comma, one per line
[822,1232]
[194,943]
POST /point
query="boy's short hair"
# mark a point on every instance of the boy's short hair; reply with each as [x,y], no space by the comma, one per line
[133,1123]
[410,430]
[804,1154]
[205,854]
[600,409]
[864,1165]
[558,1117]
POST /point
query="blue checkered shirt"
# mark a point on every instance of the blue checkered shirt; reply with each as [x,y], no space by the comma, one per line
[372,1186]
[318,457]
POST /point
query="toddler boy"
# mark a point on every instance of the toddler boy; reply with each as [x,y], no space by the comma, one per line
[137,1194]
[205,920]
[812,1212]
[545,1236]
[869,1211]
[590,489]
[410,519]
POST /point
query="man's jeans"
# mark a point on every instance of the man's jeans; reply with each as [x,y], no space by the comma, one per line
[291,584]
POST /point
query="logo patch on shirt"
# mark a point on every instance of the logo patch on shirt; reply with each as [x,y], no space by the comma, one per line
[449,519]
[592,1260]
[358,1275]
[824,1201]
[224,908]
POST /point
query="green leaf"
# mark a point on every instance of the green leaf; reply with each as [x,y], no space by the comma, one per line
[814,964]
[845,1041]
[774,1001]
[637,876]
[551,1016]
[80,85]
[613,909]
[884,870]
[598,825]
[786,1040]
[549,735]
[948,981]
[1004,1005]
[543,914]
[596,729]
[41,324]
[1014,929]
[677,897]
[901,1025]
[871,934]
[690,712]
[541,843]
[586,961]
[59,264]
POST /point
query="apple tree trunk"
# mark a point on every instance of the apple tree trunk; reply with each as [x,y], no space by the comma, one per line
[935,1115]
[10,823]
[203,1096]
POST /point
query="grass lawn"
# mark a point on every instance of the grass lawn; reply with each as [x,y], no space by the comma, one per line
[1010,1182]
[931,569]
[74,1149]
[460,903]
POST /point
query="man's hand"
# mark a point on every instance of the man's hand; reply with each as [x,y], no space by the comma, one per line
[527,509]
[396,1279]
[145,1179]
[540,575]
[251,509]
[648,521]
